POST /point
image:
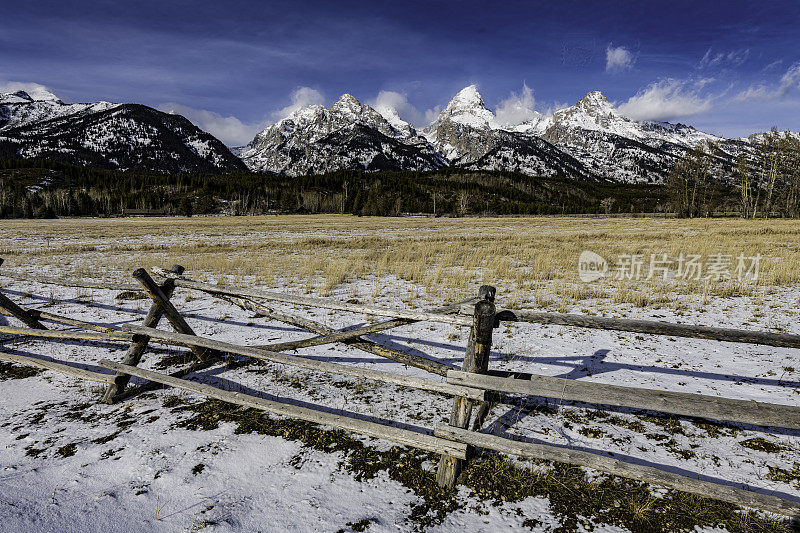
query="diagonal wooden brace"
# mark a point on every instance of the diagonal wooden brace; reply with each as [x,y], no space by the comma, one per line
[139,344]
[17,312]
[152,289]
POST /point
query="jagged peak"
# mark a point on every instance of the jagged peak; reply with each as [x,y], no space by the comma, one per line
[468,96]
[594,96]
[595,101]
[467,107]
[347,101]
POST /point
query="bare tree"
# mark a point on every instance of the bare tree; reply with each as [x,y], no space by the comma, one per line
[688,181]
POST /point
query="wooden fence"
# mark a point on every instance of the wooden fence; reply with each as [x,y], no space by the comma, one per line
[474,387]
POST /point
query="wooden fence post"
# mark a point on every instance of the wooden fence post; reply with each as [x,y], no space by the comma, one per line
[17,312]
[139,344]
[476,359]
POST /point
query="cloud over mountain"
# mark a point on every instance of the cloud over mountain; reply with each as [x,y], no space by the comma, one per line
[667,99]
[618,59]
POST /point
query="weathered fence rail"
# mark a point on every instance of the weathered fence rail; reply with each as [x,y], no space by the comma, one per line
[390,433]
[58,367]
[678,403]
[650,327]
[473,388]
[603,463]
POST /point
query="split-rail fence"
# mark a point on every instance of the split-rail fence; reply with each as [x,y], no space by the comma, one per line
[474,387]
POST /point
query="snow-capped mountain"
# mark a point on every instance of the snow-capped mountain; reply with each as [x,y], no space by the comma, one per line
[107,135]
[349,135]
[615,147]
[462,131]
[468,135]
[352,135]
[590,140]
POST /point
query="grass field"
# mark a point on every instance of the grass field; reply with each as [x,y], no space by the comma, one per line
[532,261]
[178,462]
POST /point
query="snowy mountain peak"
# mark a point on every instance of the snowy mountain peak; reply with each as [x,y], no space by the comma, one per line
[595,104]
[347,103]
[467,98]
[467,108]
[594,99]
[43,95]
[308,113]
[595,112]
[391,116]
[19,97]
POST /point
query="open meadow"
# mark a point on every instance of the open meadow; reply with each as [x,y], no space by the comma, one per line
[175,461]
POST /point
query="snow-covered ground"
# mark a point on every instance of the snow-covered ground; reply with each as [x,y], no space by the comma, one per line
[70,464]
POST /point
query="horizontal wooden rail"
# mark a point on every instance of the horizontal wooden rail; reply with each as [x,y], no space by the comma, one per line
[181,339]
[372,429]
[57,367]
[367,345]
[50,317]
[69,282]
[348,334]
[679,403]
[626,469]
[649,327]
[108,336]
[322,303]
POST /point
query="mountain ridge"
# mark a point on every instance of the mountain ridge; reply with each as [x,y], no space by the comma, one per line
[588,140]
[107,135]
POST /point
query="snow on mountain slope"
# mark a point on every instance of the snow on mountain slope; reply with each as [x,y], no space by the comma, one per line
[349,135]
[529,155]
[20,109]
[615,147]
[466,133]
[589,140]
[120,136]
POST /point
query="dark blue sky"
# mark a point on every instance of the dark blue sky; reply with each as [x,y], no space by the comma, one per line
[726,67]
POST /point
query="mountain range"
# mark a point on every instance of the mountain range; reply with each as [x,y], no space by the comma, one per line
[590,140]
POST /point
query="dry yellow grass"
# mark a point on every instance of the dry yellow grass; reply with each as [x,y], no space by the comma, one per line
[533,261]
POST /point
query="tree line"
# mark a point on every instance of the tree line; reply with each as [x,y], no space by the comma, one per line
[38,188]
[766,179]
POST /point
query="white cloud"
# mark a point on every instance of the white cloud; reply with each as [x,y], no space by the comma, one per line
[517,108]
[388,101]
[432,114]
[34,90]
[301,97]
[722,59]
[230,130]
[788,82]
[618,59]
[667,99]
